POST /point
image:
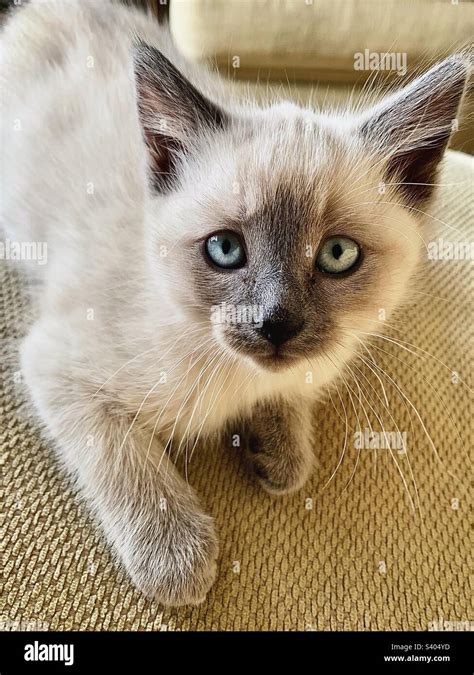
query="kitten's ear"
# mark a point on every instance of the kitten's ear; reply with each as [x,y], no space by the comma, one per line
[172,111]
[411,128]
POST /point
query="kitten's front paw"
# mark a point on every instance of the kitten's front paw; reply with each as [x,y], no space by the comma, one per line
[176,564]
[280,469]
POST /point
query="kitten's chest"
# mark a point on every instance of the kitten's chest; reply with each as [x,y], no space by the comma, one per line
[200,402]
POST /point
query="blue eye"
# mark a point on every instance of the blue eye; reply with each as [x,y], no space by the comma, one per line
[337,255]
[225,249]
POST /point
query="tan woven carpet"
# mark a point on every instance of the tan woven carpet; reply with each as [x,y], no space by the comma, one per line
[355,555]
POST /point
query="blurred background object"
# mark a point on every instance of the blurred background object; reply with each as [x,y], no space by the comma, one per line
[324,51]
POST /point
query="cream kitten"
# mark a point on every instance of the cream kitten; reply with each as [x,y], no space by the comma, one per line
[208,260]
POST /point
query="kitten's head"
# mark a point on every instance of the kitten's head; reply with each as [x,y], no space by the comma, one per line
[288,232]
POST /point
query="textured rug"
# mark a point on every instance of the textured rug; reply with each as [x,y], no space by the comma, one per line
[384,545]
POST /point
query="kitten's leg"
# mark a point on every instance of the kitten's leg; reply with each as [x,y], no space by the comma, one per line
[279,445]
[149,514]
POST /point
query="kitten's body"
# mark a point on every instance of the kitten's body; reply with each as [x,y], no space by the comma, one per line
[95,144]
[123,356]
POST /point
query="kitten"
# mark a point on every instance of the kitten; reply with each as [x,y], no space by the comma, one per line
[208,260]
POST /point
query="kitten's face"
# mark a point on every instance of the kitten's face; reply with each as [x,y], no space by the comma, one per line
[285,244]
[289,235]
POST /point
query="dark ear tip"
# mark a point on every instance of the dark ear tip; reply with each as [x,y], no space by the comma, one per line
[142,53]
[459,66]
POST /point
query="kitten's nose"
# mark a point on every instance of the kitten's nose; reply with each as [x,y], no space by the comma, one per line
[279,331]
